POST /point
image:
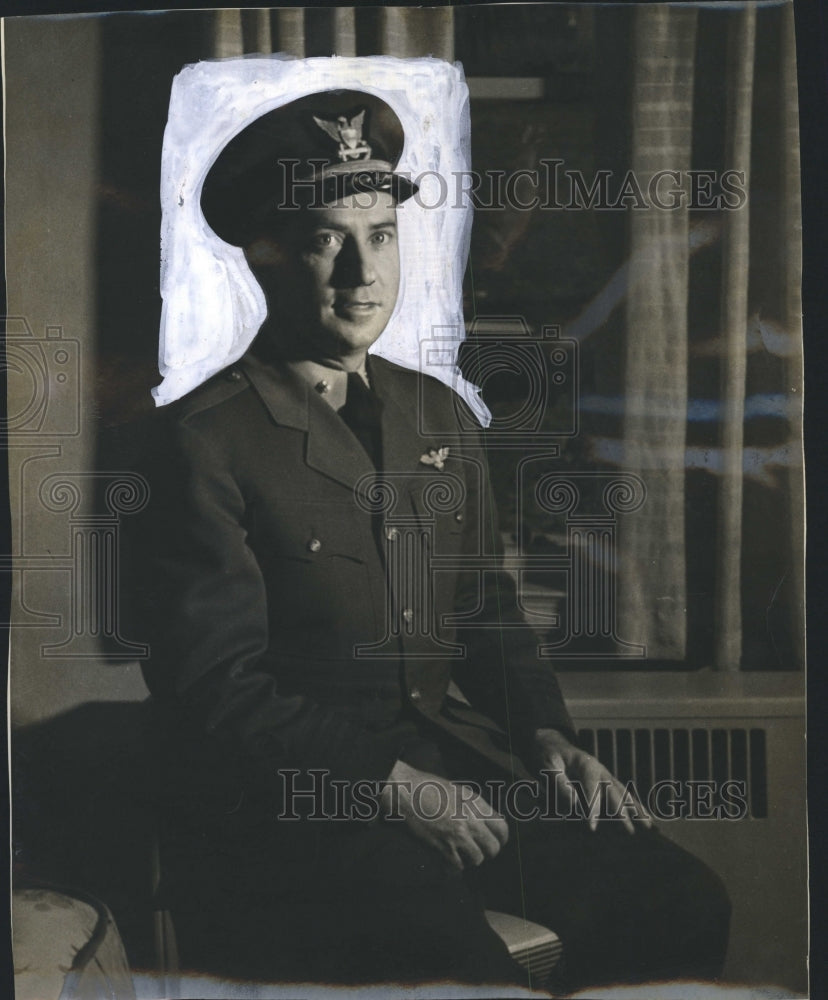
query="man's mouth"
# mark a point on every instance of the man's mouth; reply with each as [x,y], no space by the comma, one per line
[355,306]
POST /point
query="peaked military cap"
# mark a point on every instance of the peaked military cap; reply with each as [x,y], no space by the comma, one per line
[312,151]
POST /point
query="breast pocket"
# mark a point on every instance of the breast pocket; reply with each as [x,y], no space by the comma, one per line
[321,570]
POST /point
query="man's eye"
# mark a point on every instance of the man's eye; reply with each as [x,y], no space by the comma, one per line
[380,238]
[323,240]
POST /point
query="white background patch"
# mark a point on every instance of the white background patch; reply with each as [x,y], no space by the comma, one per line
[213,306]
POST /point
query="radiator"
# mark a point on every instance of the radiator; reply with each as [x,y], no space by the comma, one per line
[653,756]
[705,727]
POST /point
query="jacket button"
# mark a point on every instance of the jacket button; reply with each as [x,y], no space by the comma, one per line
[408,615]
[314,545]
[233,375]
[458,516]
[392,534]
[415,694]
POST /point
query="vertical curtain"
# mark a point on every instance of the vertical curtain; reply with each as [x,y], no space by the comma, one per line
[255,29]
[652,590]
[727,650]
[687,586]
[395,31]
[411,31]
[227,34]
[790,225]
[713,346]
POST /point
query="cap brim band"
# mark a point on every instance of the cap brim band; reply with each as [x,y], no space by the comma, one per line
[332,186]
[338,185]
[254,221]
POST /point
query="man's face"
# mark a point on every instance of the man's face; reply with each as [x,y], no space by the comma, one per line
[336,276]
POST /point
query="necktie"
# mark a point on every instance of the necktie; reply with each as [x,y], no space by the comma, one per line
[361,413]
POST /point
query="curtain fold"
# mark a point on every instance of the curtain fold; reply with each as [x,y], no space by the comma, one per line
[289,31]
[652,589]
[401,31]
[722,463]
[344,31]
[413,31]
[791,243]
[227,34]
[727,650]
[255,31]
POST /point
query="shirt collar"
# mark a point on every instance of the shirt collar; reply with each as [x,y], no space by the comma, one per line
[331,384]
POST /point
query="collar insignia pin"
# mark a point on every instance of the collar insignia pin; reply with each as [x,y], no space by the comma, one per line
[436,457]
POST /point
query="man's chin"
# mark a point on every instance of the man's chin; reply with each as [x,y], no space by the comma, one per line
[356,338]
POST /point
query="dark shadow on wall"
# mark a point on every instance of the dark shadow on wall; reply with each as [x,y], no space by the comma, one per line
[141,53]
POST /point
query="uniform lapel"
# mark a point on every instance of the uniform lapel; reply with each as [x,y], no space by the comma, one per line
[284,396]
[330,448]
[402,442]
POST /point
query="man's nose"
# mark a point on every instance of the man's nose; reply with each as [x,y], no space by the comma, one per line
[354,266]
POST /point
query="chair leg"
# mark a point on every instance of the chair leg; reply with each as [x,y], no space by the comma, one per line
[166,953]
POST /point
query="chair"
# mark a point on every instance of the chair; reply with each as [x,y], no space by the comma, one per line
[86,814]
[538,949]
[66,946]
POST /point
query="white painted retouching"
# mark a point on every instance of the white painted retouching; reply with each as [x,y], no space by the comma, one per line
[213,306]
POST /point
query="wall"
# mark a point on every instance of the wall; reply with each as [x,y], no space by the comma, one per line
[52,152]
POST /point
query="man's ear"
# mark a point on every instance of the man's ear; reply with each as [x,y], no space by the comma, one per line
[274,267]
[264,253]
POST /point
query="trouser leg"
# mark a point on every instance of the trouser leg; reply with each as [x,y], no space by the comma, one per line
[628,908]
[377,907]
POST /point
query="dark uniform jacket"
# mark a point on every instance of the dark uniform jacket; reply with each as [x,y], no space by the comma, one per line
[304,612]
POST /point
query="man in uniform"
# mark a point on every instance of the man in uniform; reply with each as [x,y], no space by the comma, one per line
[327,695]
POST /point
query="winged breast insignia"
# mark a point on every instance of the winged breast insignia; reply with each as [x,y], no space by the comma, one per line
[436,457]
[347,133]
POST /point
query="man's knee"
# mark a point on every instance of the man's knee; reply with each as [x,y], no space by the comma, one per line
[693,886]
[657,911]
[704,907]
[689,919]
[707,892]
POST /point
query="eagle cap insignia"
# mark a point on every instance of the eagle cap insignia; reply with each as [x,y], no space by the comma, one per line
[436,457]
[347,133]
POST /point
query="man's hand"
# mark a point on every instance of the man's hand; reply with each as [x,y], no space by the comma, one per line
[600,790]
[450,817]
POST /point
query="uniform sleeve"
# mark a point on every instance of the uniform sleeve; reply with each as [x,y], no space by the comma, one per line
[502,674]
[201,598]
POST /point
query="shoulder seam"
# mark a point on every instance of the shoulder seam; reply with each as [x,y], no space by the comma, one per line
[216,390]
